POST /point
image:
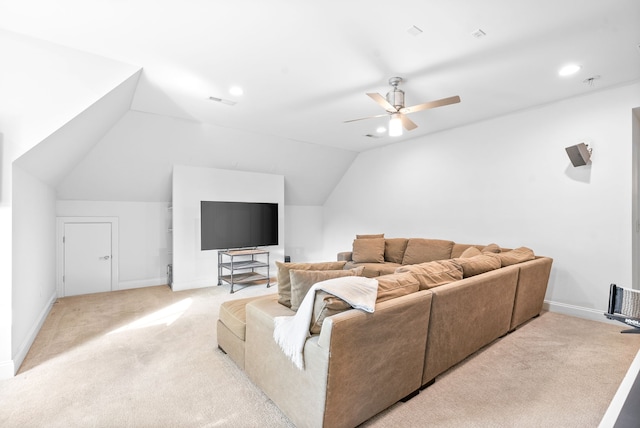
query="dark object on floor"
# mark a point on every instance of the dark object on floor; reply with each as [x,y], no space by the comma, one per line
[624,306]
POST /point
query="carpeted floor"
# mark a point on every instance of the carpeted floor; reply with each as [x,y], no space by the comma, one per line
[149,358]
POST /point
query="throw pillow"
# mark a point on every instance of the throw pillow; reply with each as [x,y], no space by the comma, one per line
[284,281]
[434,274]
[396,285]
[421,250]
[491,248]
[377,235]
[303,280]
[394,249]
[479,264]
[517,255]
[470,252]
[324,306]
[370,250]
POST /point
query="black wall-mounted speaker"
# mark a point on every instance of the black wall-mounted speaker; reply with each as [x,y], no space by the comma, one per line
[579,154]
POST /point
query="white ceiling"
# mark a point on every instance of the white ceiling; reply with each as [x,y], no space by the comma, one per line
[305,66]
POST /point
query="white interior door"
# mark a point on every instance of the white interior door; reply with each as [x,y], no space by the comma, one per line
[87,258]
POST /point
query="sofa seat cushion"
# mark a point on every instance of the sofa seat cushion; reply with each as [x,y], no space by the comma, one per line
[421,250]
[284,280]
[233,315]
[372,270]
[434,274]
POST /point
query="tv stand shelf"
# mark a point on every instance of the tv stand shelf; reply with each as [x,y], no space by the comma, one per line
[242,266]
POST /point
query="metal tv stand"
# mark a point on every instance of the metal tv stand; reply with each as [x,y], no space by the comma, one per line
[242,267]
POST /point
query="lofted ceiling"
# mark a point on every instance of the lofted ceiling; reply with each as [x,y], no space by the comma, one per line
[305,66]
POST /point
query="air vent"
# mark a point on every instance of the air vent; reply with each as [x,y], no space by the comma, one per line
[414,31]
[590,81]
[478,34]
[223,101]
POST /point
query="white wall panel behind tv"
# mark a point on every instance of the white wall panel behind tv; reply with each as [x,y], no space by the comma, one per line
[193,268]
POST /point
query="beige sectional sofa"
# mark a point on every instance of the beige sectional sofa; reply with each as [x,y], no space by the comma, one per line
[429,316]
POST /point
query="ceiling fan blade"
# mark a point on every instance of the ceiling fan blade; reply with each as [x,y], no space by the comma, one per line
[407,123]
[382,101]
[431,104]
[363,118]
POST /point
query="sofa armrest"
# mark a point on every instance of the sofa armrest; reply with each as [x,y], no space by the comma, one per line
[375,358]
[532,287]
[345,256]
[359,365]
[467,315]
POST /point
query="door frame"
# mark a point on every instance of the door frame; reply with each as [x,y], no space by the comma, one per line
[60,223]
[635,205]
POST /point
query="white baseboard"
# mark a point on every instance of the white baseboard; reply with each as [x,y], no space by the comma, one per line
[577,311]
[127,285]
[188,285]
[7,370]
[21,353]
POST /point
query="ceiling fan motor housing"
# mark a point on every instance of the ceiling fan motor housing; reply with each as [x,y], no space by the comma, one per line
[396,98]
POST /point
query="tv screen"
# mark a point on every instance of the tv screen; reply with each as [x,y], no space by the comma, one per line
[226,225]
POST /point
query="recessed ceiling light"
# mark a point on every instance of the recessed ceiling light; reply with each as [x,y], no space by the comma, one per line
[381,129]
[569,69]
[236,91]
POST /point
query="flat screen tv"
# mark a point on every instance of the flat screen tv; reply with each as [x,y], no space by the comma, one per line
[228,225]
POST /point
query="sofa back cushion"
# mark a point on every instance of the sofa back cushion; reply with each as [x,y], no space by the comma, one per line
[303,280]
[396,285]
[389,287]
[479,264]
[421,250]
[394,249]
[284,281]
[435,273]
[324,306]
[517,255]
[370,236]
[458,249]
[469,252]
[369,250]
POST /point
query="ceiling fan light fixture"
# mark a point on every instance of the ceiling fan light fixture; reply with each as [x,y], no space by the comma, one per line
[395,125]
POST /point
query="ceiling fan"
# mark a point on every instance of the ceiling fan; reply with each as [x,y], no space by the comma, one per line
[394,105]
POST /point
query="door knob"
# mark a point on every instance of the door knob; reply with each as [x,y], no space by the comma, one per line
[105,257]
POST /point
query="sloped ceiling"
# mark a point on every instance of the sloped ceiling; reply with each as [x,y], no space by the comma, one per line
[134,161]
[305,68]
[54,157]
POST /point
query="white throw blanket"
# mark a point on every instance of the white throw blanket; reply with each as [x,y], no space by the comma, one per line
[291,332]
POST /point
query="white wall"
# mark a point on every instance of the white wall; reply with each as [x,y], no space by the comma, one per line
[509,181]
[72,81]
[144,238]
[304,233]
[34,269]
[193,268]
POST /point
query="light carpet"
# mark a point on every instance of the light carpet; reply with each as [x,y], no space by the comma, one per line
[148,358]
